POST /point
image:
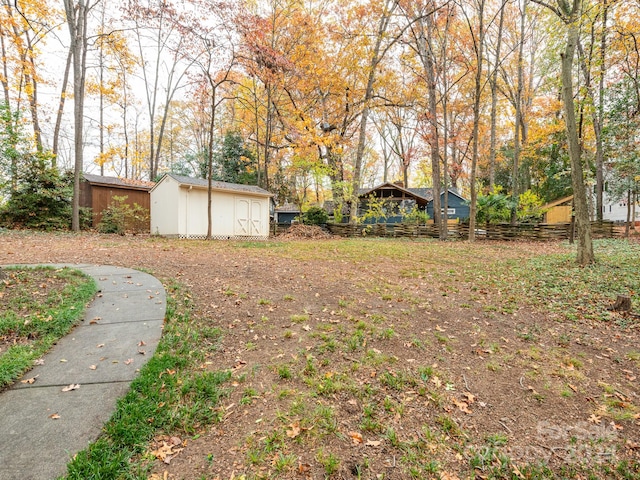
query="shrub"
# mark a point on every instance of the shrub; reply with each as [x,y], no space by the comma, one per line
[415,216]
[120,217]
[42,199]
[315,216]
[530,207]
[495,207]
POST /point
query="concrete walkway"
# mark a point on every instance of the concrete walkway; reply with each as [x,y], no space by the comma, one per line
[41,426]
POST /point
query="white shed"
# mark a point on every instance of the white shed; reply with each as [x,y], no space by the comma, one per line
[179,209]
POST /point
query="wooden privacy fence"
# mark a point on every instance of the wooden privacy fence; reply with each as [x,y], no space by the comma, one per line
[540,231]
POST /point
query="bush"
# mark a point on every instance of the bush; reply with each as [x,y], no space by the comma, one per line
[42,199]
[120,217]
[530,207]
[495,207]
[315,216]
[415,216]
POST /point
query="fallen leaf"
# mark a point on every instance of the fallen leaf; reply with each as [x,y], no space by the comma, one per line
[356,438]
[463,406]
[39,361]
[595,419]
[141,343]
[93,367]
[73,386]
[294,430]
[63,360]
[54,416]
[303,468]
[167,448]
[128,361]
[448,476]
[572,387]
[100,345]
[95,320]
[30,380]
[616,426]
[470,397]
[373,443]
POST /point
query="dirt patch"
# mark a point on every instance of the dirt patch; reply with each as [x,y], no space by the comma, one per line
[348,364]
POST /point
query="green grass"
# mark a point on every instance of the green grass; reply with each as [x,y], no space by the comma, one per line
[170,395]
[572,292]
[38,307]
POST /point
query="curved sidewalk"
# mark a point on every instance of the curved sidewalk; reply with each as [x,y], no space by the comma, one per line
[41,426]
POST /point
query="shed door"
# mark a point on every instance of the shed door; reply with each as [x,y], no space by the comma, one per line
[256,218]
[243,217]
[248,222]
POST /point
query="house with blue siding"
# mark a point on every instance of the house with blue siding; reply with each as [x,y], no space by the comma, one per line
[457,206]
[393,199]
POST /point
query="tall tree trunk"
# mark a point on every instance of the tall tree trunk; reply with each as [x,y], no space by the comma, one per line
[390,6]
[494,101]
[5,69]
[516,141]
[33,94]
[425,50]
[585,255]
[77,23]
[267,136]
[599,117]
[210,158]
[479,48]
[59,113]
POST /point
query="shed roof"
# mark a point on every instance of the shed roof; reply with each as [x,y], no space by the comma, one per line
[118,182]
[288,208]
[558,202]
[216,185]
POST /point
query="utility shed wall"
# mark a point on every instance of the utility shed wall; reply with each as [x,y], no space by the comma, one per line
[165,208]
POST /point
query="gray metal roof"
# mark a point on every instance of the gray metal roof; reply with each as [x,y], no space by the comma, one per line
[216,185]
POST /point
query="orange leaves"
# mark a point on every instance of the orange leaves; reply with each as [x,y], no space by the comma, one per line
[356,438]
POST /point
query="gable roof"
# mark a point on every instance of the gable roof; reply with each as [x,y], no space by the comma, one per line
[363,192]
[203,183]
[118,182]
[422,194]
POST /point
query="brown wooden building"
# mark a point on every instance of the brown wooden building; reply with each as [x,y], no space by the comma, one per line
[97,193]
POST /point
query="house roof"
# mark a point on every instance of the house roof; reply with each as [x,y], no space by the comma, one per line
[118,182]
[424,194]
[288,208]
[560,201]
[363,192]
[216,185]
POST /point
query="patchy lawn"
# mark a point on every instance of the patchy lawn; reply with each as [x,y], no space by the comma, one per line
[37,307]
[381,358]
